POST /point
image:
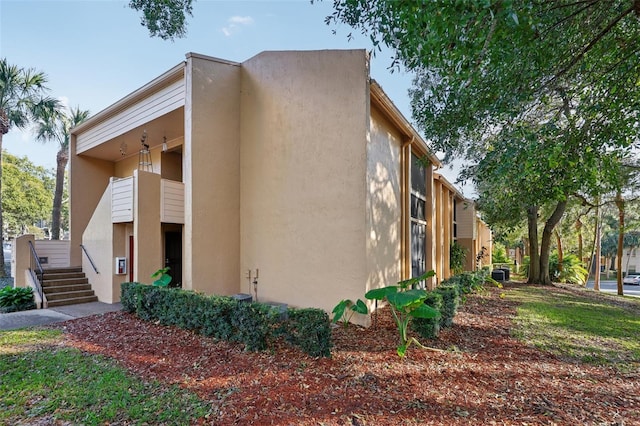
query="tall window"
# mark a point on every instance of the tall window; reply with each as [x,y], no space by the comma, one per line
[418,216]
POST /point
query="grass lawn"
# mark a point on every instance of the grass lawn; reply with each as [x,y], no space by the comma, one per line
[576,325]
[41,381]
[44,379]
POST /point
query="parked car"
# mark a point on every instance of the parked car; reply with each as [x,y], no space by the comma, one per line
[631,279]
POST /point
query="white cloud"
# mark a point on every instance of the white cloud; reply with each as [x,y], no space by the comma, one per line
[234,23]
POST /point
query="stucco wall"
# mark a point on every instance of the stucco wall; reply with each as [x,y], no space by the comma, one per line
[384,203]
[88,179]
[98,240]
[212,176]
[304,133]
[148,255]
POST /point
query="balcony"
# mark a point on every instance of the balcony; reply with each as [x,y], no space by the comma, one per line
[125,190]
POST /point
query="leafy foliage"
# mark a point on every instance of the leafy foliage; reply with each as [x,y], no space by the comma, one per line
[55,125]
[499,254]
[16,298]
[457,257]
[429,328]
[255,325]
[572,270]
[538,96]
[166,19]
[26,193]
[163,279]
[450,294]
[406,303]
[347,304]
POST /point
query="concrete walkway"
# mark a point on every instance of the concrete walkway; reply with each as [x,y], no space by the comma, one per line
[14,320]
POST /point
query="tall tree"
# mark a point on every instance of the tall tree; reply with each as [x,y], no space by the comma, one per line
[166,19]
[26,193]
[56,126]
[23,96]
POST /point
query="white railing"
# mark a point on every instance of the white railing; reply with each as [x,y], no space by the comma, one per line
[122,200]
[171,201]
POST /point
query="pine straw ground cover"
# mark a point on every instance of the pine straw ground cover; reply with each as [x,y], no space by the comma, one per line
[483,376]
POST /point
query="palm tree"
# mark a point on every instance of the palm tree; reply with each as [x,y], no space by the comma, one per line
[23,96]
[56,126]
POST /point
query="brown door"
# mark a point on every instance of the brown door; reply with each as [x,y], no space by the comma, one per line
[173,256]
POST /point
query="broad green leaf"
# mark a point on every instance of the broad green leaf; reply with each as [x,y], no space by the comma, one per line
[338,311]
[381,293]
[404,299]
[360,307]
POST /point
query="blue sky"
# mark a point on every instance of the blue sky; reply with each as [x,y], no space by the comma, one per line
[96,52]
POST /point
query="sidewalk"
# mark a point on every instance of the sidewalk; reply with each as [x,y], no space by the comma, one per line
[35,317]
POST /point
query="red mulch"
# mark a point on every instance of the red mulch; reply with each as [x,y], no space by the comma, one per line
[485,377]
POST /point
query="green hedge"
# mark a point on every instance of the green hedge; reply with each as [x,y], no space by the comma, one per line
[429,328]
[450,293]
[255,325]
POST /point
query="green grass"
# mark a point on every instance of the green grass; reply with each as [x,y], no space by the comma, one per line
[579,326]
[43,381]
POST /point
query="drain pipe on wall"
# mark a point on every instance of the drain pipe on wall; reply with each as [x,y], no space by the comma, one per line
[254,281]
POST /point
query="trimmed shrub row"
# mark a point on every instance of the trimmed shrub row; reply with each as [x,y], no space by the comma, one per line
[446,298]
[256,325]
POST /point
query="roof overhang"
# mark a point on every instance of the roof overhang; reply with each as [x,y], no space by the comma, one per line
[153,86]
[380,99]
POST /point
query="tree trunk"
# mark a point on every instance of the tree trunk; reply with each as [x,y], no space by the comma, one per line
[534,256]
[560,253]
[620,205]
[596,275]
[2,271]
[545,245]
[593,247]
[62,158]
[579,229]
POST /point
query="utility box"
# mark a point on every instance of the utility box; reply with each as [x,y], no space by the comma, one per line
[497,274]
[242,297]
[121,266]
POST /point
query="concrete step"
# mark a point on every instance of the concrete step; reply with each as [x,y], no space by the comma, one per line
[62,270]
[69,295]
[62,275]
[66,288]
[72,301]
[53,283]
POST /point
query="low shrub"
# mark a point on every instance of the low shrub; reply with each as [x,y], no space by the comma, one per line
[450,300]
[256,325]
[13,299]
[429,328]
[309,329]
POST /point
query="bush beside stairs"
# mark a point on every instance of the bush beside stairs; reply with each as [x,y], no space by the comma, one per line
[67,286]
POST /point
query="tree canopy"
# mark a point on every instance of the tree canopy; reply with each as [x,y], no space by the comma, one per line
[27,193]
[166,19]
[481,64]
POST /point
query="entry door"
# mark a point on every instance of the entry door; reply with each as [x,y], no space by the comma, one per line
[173,256]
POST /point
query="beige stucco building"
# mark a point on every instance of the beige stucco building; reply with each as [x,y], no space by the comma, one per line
[291,169]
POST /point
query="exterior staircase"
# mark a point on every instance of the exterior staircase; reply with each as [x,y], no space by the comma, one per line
[66,286]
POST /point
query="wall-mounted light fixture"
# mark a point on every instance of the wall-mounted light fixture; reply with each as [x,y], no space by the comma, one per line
[164,144]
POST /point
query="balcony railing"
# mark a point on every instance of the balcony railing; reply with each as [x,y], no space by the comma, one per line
[123,200]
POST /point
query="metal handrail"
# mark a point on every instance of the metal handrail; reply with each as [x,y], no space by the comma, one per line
[84,249]
[35,262]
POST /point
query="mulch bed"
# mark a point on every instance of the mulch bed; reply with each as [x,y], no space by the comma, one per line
[483,376]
